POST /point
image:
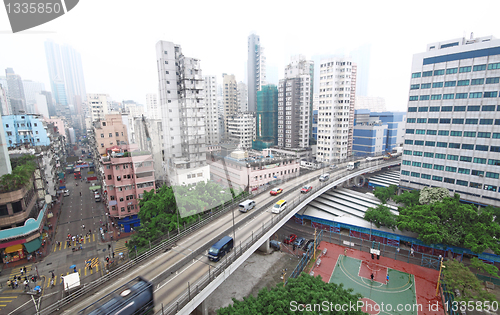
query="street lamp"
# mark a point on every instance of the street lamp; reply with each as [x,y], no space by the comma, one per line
[439,276]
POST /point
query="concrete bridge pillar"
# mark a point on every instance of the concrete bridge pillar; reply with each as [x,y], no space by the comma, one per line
[202,309]
[264,247]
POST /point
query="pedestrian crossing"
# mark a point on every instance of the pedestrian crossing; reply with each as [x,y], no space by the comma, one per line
[120,247]
[67,245]
[4,299]
[16,272]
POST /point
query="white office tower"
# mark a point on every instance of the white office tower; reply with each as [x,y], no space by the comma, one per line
[152,107]
[242,97]
[211,110]
[230,94]
[256,70]
[295,98]
[374,104]
[337,92]
[241,129]
[452,135]
[183,110]
[41,106]
[98,106]
[4,100]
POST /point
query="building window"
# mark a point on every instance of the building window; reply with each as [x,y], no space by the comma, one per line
[465,69]
[435,97]
[413,98]
[444,120]
[467,146]
[469,134]
[463,82]
[111,135]
[434,109]
[492,80]
[423,98]
[494,162]
[408,141]
[490,94]
[449,180]
[461,95]
[410,120]
[448,96]
[416,75]
[439,72]
[427,165]
[484,134]
[420,132]
[477,82]
[427,74]
[425,176]
[430,143]
[429,154]
[117,134]
[465,159]
[462,182]
[479,68]
[443,132]
[422,120]
[475,185]
[446,108]
[494,149]
[432,132]
[480,160]
[450,83]
[110,177]
[459,108]
[451,169]
[492,175]
[414,86]
[437,178]
[440,156]
[481,147]
[442,145]
[102,135]
[452,157]
[486,122]
[451,70]
[425,86]
[454,133]
[471,121]
[476,95]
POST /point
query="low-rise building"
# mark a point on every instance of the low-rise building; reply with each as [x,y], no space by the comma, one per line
[25,130]
[127,173]
[251,172]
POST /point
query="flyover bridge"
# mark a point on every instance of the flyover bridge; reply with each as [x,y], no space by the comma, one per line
[179,269]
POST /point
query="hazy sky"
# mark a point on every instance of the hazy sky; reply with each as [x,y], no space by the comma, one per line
[116,39]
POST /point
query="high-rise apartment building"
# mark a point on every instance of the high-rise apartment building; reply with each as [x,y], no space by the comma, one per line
[4,101]
[31,89]
[241,130]
[337,87]
[98,106]
[73,74]
[15,92]
[183,110]
[211,110]
[295,101]
[452,135]
[256,70]
[242,97]
[230,94]
[266,120]
[65,73]
[152,108]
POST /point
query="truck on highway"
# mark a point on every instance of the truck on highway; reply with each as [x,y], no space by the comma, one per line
[353,165]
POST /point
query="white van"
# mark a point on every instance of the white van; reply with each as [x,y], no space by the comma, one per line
[279,206]
[247,205]
[97,198]
[324,177]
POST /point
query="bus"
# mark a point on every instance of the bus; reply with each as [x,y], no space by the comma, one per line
[219,249]
[134,297]
[78,173]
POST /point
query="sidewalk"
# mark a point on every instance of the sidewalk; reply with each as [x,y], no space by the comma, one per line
[44,250]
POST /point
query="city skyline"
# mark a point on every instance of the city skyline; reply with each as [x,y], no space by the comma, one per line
[392,37]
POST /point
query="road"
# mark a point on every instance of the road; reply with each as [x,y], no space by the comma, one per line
[76,211]
[169,286]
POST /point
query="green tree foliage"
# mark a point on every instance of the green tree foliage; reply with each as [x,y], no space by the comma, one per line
[453,223]
[408,198]
[170,208]
[459,277]
[381,216]
[481,266]
[22,171]
[430,195]
[385,193]
[303,290]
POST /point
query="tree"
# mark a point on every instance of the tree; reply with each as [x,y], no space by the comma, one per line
[453,223]
[408,198]
[459,277]
[381,215]
[304,290]
[430,195]
[385,193]
[481,266]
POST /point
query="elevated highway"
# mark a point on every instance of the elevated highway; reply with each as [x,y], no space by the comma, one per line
[180,270]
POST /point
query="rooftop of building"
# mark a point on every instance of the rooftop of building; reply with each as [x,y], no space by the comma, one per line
[254,158]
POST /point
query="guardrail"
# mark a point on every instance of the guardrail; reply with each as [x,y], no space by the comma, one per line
[166,244]
[184,298]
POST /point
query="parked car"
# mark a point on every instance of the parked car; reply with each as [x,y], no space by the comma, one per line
[276,191]
[306,189]
[274,245]
[290,239]
[309,244]
[299,242]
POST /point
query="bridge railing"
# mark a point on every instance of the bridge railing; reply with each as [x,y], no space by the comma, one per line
[192,289]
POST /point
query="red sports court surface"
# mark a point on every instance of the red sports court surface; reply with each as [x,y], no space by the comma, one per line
[425,279]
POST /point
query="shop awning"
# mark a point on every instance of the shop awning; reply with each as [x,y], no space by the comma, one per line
[94,187]
[33,245]
[14,248]
[112,203]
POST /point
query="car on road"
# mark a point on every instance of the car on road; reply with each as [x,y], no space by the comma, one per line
[66,193]
[309,244]
[306,189]
[332,167]
[276,191]
[290,239]
[299,242]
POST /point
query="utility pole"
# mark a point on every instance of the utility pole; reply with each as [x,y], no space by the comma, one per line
[439,276]
[314,247]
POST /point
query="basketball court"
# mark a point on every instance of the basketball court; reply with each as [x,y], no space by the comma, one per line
[396,288]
